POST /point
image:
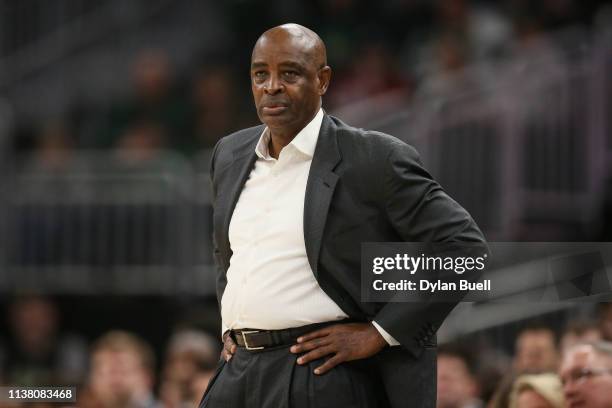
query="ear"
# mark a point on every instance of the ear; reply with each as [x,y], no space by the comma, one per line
[324,75]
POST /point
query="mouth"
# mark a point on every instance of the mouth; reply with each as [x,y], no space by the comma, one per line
[273,109]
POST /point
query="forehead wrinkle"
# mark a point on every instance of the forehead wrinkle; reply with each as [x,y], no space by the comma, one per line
[280,56]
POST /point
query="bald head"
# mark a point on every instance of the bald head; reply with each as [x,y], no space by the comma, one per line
[289,75]
[301,38]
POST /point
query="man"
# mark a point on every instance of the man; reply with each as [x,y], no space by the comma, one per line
[457,383]
[37,351]
[577,332]
[191,356]
[536,350]
[121,373]
[586,374]
[293,201]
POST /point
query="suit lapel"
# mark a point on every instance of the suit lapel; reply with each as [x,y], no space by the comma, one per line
[319,190]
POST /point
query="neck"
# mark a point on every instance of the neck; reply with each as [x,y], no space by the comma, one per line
[278,140]
[281,137]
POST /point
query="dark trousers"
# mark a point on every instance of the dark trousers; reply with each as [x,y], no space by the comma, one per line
[271,378]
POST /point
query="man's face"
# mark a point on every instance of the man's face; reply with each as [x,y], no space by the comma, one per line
[116,375]
[586,377]
[287,81]
[536,352]
[456,387]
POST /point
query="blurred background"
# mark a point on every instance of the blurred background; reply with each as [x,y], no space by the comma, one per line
[108,112]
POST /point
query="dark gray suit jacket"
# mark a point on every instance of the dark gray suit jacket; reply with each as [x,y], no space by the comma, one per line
[363,186]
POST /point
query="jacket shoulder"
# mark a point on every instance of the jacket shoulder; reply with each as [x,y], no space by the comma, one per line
[371,141]
[241,139]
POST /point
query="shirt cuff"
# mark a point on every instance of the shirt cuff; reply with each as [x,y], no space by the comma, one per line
[224,328]
[388,338]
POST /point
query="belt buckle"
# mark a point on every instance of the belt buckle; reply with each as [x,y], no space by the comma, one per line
[246,344]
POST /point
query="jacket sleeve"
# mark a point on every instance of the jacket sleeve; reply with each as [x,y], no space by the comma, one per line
[420,211]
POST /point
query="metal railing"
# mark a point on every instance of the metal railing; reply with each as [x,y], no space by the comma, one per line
[97,224]
[531,145]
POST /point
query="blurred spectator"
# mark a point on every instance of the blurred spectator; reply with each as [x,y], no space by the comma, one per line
[536,350]
[191,358]
[478,30]
[485,30]
[54,157]
[537,391]
[156,98]
[215,101]
[140,142]
[374,72]
[449,58]
[121,373]
[457,384]
[54,147]
[36,351]
[586,373]
[371,88]
[604,312]
[579,332]
[452,77]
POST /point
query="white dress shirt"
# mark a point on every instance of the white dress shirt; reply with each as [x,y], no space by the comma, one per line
[270,284]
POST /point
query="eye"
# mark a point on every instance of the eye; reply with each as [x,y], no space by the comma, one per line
[291,75]
[259,75]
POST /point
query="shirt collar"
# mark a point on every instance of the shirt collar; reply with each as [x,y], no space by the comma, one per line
[305,141]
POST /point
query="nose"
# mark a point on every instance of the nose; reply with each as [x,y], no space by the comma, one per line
[273,85]
[570,390]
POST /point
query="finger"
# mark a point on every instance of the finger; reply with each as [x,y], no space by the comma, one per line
[229,341]
[329,364]
[229,347]
[226,356]
[316,354]
[310,345]
[315,334]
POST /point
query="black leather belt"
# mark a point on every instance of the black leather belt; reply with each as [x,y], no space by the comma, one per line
[253,339]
